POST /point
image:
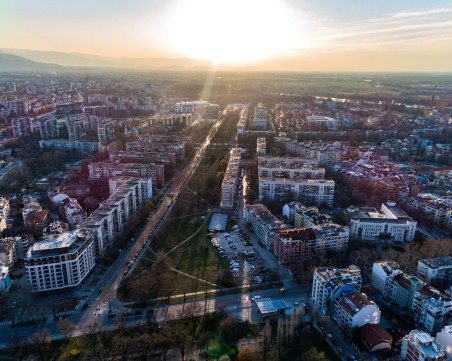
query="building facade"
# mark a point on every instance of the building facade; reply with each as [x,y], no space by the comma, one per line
[61,263]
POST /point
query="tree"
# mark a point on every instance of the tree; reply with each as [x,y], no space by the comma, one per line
[164,341]
[228,328]
[313,355]
[266,340]
[40,341]
[143,345]
[248,354]
[65,327]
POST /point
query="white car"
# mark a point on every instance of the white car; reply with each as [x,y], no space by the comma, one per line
[256,297]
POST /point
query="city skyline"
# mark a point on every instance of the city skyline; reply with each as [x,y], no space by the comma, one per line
[277,34]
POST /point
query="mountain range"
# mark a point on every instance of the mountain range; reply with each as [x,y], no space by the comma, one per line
[16,60]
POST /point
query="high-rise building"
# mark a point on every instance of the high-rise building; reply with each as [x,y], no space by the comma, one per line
[21,127]
[48,128]
[76,126]
[60,263]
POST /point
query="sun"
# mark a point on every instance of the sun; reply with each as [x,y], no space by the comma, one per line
[230,31]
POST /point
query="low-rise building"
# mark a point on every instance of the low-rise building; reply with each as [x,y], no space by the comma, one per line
[375,337]
[330,284]
[389,223]
[420,346]
[320,121]
[61,263]
[355,310]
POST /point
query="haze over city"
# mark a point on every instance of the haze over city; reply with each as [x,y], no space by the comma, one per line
[226,180]
[287,35]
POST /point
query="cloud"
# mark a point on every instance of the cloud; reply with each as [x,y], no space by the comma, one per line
[416,14]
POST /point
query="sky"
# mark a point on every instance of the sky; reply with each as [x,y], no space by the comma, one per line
[407,35]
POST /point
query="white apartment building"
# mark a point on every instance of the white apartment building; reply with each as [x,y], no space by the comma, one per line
[330,284]
[355,310]
[146,185]
[229,185]
[73,212]
[109,219]
[264,223]
[60,263]
[382,279]
[322,121]
[316,192]
[444,338]
[4,212]
[306,171]
[436,271]
[420,346]
[391,222]
[48,127]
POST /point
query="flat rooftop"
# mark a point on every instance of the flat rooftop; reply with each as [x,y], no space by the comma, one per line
[218,222]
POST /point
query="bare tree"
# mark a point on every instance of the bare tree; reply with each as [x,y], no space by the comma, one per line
[65,327]
[40,342]
[266,340]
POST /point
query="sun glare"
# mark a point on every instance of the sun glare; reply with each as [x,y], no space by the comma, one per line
[231,31]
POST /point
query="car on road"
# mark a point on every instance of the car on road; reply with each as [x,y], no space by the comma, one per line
[340,350]
[282,290]
[256,297]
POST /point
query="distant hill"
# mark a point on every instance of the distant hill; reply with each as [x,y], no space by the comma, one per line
[13,63]
[95,61]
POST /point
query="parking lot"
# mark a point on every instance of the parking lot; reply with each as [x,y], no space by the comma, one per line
[245,263]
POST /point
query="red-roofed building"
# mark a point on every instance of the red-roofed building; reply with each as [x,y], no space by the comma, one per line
[355,310]
[375,337]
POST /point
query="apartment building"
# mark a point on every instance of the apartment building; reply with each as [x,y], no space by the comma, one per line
[263,222]
[310,216]
[76,126]
[355,310]
[390,222]
[145,183]
[109,219]
[166,158]
[102,170]
[444,338]
[437,208]
[4,212]
[261,147]
[436,271]
[420,346]
[105,132]
[21,127]
[60,263]
[171,120]
[430,308]
[48,127]
[320,121]
[331,284]
[382,279]
[229,185]
[298,172]
[319,152]
[309,192]
[83,147]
